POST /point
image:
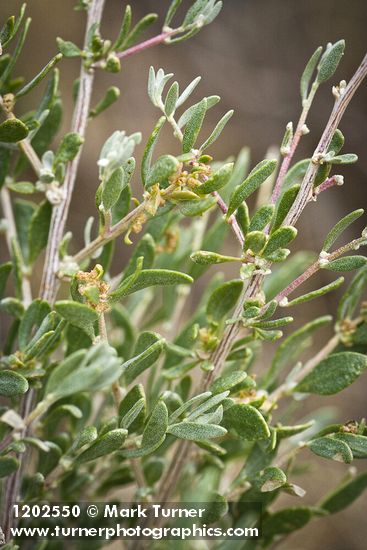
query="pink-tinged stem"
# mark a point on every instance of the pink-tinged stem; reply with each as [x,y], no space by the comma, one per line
[353,245]
[329,182]
[299,281]
[293,146]
[232,220]
[154,41]
[147,44]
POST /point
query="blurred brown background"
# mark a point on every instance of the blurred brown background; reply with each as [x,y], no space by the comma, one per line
[252,56]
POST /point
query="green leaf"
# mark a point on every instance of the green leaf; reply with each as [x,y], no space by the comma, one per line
[274,323]
[40,345]
[24,187]
[193,126]
[38,230]
[227,381]
[296,173]
[33,316]
[195,431]
[223,299]
[204,257]
[356,443]
[262,217]
[330,61]
[6,73]
[345,494]
[148,278]
[196,400]
[5,270]
[218,180]
[279,239]
[139,28]
[285,204]
[108,443]
[308,72]
[340,227]
[154,433]
[85,437]
[171,99]
[353,295]
[84,371]
[272,479]
[149,150]
[78,315]
[327,447]
[162,169]
[285,521]
[124,30]
[243,218]
[256,177]
[113,187]
[7,31]
[147,350]
[316,293]
[246,421]
[136,410]
[255,241]
[334,373]
[207,405]
[348,158]
[13,130]
[49,128]
[8,465]
[347,263]
[111,95]
[175,4]
[12,383]
[51,322]
[12,306]
[289,431]
[68,49]
[69,147]
[134,396]
[40,76]
[217,131]
[196,208]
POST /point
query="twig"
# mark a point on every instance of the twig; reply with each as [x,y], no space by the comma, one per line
[154,41]
[340,105]
[316,267]
[49,285]
[329,182]
[59,215]
[293,146]
[232,220]
[116,230]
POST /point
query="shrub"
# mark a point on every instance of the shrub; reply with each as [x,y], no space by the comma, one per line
[104,382]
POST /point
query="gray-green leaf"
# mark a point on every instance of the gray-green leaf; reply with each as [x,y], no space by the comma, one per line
[334,373]
[246,421]
[106,444]
[193,126]
[12,383]
[256,177]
